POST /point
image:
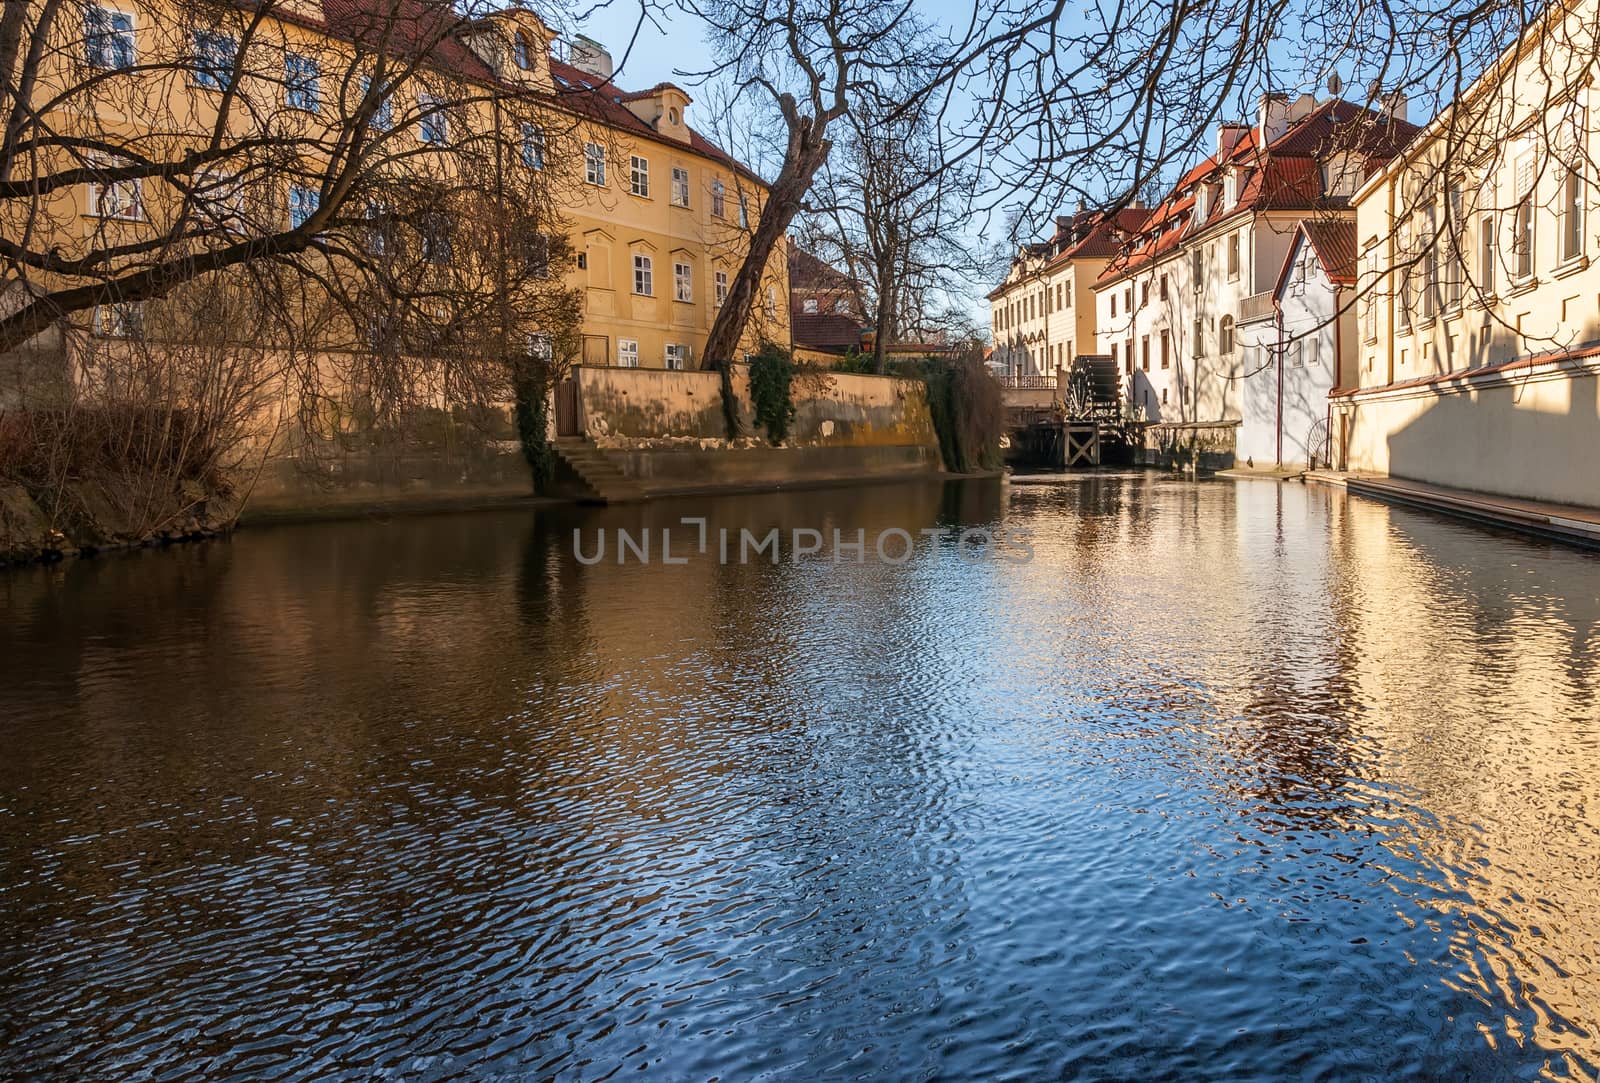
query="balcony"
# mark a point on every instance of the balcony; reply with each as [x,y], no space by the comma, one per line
[1255,308]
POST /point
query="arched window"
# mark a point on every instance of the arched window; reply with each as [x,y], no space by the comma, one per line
[1225,336]
[522,51]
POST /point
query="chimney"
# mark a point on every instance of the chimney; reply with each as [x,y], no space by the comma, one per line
[1272,116]
[589,55]
[1394,106]
[1228,136]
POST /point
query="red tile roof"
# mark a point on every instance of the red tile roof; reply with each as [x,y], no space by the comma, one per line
[1335,245]
[421,26]
[1284,176]
[826,332]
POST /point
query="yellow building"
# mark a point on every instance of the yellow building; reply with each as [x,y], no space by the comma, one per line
[1479,334]
[657,214]
[661,227]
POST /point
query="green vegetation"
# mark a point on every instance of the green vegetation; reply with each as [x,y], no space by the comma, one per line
[963,399]
[531,385]
[771,402]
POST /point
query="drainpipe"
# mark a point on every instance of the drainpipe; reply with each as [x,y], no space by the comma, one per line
[1338,365]
[1277,319]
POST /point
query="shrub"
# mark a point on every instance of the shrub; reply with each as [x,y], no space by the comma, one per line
[771,401]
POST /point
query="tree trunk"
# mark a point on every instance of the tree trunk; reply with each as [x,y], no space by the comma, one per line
[784,199]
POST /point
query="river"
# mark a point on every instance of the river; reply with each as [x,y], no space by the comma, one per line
[1231,780]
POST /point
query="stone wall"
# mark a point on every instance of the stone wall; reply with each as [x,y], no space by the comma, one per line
[1211,444]
[621,407]
[666,430]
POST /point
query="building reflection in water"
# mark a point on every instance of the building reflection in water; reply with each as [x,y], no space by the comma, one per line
[1222,760]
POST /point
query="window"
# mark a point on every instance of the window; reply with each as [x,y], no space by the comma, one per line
[772,303]
[536,254]
[1144,294]
[683,282]
[1572,215]
[1522,220]
[1067,297]
[594,164]
[1166,350]
[1144,353]
[720,280]
[643,283]
[300,83]
[1195,268]
[1429,265]
[1450,273]
[1114,362]
[1163,287]
[436,240]
[116,199]
[1069,354]
[1233,257]
[1199,346]
[533,146]
[303,203]
[108,37]
[1369,300]
[680,187]
[1230,189]
[1127,300]
[718,197]
[677,356]
[123,320]
[433,127]
[380,231]
[383,113]
[1113,304]
[522,51]
[639,176]
[1225,336]
[841,307]
[1487,257]
[809,306]
[1522,239]
[1127,351]
[219,198]
[539,347]
[214,55]
[628,353]
[744,212]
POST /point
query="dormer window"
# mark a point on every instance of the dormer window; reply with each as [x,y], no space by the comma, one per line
[1230,189]
[522,51]
[1341,175]
[1202,203]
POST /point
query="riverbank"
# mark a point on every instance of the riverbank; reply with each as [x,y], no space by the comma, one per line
[1566,523]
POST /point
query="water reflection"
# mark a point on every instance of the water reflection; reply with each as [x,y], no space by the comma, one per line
[1231,781]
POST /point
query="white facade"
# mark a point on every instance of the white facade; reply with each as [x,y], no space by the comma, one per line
[1284,401]
[1180,327]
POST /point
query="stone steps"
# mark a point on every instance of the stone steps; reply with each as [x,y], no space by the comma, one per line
[602,481]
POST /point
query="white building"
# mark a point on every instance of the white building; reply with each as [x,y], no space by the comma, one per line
[1043,314]
[1187,310]
[1285,409]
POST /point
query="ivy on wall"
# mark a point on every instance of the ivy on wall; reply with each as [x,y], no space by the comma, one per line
[771,400]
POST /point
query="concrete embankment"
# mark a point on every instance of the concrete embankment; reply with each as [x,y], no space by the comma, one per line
[637,433]
[632,434]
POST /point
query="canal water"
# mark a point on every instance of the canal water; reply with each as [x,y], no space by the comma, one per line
[1230,781]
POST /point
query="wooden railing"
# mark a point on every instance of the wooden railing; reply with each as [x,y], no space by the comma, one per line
[1033,380]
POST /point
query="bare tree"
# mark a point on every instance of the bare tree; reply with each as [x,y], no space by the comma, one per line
[365,203]
[800,61]
[887,208]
